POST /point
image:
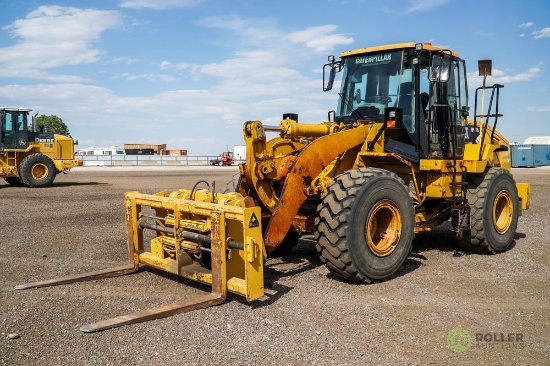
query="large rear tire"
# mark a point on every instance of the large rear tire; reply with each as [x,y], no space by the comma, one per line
[365,225]
[37,170]
[494,211]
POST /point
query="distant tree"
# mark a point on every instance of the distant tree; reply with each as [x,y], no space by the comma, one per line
[52,124]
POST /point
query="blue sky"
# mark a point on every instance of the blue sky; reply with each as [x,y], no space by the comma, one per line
[188,73]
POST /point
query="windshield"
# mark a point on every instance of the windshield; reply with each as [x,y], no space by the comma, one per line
[373,82]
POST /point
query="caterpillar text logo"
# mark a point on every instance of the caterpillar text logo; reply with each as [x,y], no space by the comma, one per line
[372,59]
[42,140]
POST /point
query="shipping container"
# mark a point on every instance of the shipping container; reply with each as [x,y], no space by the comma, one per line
[176,152]
[140,152]
[158,149]
[530,156]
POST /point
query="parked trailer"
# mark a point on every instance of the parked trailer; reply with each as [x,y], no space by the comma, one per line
[113,150]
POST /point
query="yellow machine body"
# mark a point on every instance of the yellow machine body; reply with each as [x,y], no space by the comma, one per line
[382,168]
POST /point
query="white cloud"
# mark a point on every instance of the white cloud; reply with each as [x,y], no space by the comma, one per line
[500,77]
[52,37]
[256,32]
[319,39]
[167,65]
[544,33]
[424,5]
[253,82]
[126,60]
[262,32]
[159,4]
[545,108]
[265,33]
[526,25]
[149,77]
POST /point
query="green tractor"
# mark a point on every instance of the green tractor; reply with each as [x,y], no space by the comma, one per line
[30,157]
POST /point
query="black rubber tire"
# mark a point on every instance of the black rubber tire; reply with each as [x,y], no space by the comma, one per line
[13,181]
[494,211]
[36,171]
[351,200]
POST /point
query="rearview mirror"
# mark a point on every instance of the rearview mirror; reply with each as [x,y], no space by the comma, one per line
[335,66]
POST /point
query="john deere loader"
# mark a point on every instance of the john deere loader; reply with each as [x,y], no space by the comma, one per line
[28,156]
[401,154]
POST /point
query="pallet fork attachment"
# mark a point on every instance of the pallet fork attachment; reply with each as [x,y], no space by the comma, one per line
[236,266]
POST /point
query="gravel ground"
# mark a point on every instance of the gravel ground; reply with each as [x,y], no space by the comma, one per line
[309,317]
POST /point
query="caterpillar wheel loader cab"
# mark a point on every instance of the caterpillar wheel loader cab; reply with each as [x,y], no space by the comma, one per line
[397,157]
[29,157]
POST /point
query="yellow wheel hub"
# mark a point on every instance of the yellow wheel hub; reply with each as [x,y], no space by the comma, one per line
[383,228]
[39,171]
[503,209]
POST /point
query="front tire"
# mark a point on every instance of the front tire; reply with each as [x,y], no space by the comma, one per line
[37,170]
[365,225]
[494,211]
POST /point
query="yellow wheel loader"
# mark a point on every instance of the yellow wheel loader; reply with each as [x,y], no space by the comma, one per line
[398,156]
[29,157]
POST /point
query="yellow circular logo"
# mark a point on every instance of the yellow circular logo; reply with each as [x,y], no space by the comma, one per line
[459,340]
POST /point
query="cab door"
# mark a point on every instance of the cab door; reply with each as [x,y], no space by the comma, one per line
[8,132]
[21,133]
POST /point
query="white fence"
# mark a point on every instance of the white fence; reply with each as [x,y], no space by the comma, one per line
[146,160]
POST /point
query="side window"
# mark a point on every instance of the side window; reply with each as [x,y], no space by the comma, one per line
[425,88]
[9,122]
[456,89]
[21,119]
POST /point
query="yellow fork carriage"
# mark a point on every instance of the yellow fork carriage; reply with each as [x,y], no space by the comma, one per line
[206,237]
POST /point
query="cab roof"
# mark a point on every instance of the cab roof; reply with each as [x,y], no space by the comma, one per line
[15,109]
[390,47]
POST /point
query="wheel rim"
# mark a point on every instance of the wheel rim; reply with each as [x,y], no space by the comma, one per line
[383,228]
[502,212]
[39,171]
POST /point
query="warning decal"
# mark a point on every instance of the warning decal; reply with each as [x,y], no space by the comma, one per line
[253,221]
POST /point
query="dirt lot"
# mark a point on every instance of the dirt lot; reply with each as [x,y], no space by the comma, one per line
[77,225]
